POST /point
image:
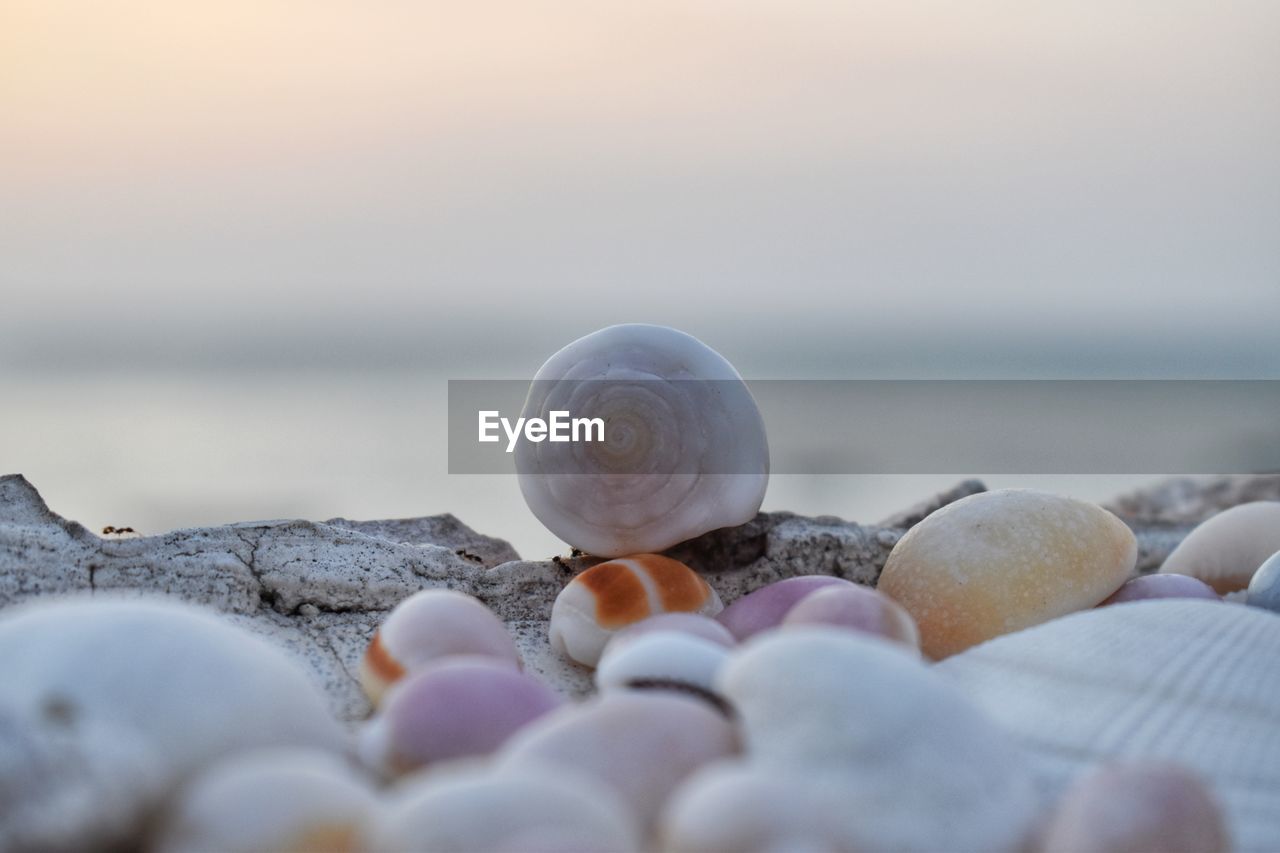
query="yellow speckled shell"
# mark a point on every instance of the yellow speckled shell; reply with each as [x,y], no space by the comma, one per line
[1001,561]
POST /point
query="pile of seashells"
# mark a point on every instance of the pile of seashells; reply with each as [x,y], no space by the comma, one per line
[1008,686]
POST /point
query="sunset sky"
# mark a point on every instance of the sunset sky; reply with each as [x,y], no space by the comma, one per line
[244,244]
[259,181]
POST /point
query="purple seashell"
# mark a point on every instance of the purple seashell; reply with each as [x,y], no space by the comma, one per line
[1161,586]
[453,709]
[684,623]
[767,607]
[857,608]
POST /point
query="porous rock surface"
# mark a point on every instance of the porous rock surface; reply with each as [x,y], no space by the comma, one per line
[319,589]
[1187,501]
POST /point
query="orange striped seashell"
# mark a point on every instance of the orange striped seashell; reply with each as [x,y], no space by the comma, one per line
[429,625]
[610,596]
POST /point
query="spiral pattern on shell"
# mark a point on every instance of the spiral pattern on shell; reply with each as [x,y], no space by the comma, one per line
[683,451]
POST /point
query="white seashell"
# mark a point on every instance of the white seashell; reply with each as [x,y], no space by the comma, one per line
[694,624]
[613,595]
[479,810]
[662,659]
[733,806]
[1225,550]
[1182,680]
[684,450]
[159,687]
[289,801]
[640,745]
[427,626]
[919,765]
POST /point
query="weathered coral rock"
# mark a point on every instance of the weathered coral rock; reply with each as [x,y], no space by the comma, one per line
[1187,501]
[320,588]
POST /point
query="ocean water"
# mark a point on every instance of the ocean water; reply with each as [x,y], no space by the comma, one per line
[159,450]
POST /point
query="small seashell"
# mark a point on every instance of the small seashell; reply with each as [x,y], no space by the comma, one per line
[479,810]
[767,606]
[1264,588]
[684,448]
[1000,561]
[613,595]
[427,626]
[1137,807]
[919,767]
[291,801]
[455,708]
[1161,586]
[731,807]
[639,744]
[694,624]
[858,608]
[1182,680]
[1226,550]
[668,660]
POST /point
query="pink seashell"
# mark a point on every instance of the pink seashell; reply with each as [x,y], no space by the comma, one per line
[858,608]
[766,607]
[1161,586]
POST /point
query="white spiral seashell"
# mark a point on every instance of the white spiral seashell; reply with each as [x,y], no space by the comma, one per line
[684,449]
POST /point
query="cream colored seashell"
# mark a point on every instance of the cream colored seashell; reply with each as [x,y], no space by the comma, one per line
[610,596]
[153,688]
[734,807]
[479,810]
[684,450]
[1137,807]
[290,801]
[1225,550]
[180,676]
[1182,680]
[1000,561]
[663,659]
[427,626]
[920,767]
[640,745]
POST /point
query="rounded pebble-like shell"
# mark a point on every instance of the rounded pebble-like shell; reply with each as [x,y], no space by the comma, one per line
[610,596]
[1187,681]
[919,766]
[1146,587]
[1226,550]
[767,606]
[1129,808]
[733,807]
[694,624]
[1001,561]
[455,708]
[427,626]
[669,660]
[479,810]
[857,608]
[289,801]
[684,449]
[134,695]
[639,744]
[1264,588]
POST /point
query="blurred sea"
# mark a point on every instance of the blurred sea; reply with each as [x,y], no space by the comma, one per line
[158,450]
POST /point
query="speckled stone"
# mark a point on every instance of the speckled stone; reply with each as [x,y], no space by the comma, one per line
[1000,561]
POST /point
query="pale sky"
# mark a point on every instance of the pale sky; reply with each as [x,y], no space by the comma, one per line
[822,188]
